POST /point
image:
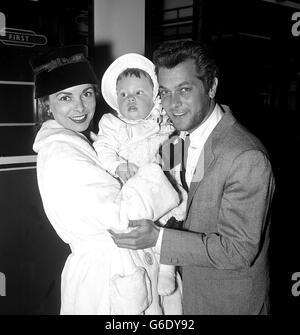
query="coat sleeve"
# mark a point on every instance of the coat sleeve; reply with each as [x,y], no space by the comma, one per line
[241,222]
[108,143]
[79,197]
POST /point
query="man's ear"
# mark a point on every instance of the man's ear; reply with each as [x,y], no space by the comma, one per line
[213,90]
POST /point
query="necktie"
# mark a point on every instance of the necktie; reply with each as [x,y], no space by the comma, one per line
[185,145]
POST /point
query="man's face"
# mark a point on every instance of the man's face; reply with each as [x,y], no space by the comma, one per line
[183,96]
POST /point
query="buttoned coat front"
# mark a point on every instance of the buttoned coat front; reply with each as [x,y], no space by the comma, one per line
[223,248]
[82,201]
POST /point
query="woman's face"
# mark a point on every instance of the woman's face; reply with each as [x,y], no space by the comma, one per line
[74,107]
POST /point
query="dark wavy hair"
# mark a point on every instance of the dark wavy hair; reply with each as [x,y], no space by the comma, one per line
[170,54]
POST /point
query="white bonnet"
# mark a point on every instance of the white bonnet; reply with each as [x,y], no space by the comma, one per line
[130,60]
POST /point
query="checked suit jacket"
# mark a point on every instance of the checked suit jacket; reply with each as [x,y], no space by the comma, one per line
[223,247]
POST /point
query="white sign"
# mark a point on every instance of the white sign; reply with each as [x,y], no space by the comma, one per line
[22,37]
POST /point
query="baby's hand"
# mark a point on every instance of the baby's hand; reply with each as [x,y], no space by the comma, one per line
[126,170]
[93,136]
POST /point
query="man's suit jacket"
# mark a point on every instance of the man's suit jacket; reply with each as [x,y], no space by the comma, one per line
[223,250]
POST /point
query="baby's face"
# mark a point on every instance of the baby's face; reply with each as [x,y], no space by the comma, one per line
[135,97]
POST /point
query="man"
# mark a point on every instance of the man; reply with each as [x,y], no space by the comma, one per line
[222,248]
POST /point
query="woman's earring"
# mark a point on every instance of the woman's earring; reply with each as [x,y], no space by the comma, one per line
[49,112]
[211,93]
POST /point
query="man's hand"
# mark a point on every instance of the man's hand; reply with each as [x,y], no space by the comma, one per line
[143,236]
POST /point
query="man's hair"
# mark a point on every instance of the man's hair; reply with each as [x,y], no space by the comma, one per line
[170,54]
[134,72]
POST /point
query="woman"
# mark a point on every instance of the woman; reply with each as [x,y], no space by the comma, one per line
[82,201]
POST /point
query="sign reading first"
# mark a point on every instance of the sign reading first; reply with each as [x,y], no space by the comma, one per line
[21,37]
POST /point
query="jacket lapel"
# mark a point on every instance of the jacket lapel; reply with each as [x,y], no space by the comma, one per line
[208,156]
[205,160]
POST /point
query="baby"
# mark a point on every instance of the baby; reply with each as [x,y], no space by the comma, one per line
[132,139]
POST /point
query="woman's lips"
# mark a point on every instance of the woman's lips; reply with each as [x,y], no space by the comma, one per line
[79,118]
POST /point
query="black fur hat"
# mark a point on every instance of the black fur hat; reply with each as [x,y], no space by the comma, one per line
[61,68]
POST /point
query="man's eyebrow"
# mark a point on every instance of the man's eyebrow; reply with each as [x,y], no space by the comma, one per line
[87,88]
[184,83]
[179,85]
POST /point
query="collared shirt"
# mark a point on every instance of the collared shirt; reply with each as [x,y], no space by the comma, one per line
[197,140]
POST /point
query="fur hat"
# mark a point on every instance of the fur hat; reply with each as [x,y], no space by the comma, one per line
[60,68]
[109,79]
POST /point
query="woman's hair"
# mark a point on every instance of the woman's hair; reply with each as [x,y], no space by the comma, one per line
[43,106]
[43,109]
[136,72]
[170,54]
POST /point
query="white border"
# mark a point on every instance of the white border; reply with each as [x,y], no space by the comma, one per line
[18,168]
[17,159]
[17,124]
[10,82]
